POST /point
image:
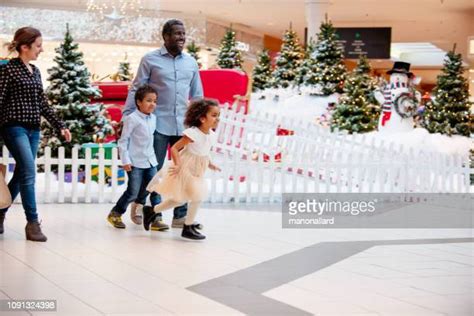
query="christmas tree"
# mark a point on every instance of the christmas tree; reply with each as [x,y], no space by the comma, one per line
[229,56]
[306,65]
[357,111]
[288,60]
[193,50]
[327,72]
[262,73]
[70,92]
[70,78]
[123,73]
[449,112]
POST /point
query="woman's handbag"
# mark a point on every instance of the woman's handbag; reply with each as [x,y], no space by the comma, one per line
[5,196]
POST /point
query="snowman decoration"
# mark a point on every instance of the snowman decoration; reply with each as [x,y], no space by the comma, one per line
[399,100]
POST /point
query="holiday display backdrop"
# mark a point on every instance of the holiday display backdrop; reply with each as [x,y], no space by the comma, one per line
[288,61]
[357,111]
[70,93]
[449,112]
[262,72]
[326,73]
[194,50]
[229,56]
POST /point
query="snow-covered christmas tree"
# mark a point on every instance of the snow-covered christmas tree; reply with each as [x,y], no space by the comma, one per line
[357,111]
[70,92]
[307,64]
[449,112]
[70,78]
[229,56]
[262,73]
[327,73]
[288,61]
[194,50]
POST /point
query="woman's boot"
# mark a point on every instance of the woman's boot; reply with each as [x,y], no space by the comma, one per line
[2,219]
[33,232]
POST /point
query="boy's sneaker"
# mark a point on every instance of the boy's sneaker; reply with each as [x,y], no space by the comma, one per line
[116,220]
[136,213]
[158,225]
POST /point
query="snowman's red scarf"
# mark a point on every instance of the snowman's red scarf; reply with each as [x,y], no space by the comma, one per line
[387,105]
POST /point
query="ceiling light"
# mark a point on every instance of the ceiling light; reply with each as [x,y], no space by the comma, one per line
[114,9]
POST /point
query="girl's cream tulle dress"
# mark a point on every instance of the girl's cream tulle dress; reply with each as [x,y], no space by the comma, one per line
[189,183]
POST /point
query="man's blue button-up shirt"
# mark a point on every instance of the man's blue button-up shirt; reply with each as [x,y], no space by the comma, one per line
[175,79]
[136,142]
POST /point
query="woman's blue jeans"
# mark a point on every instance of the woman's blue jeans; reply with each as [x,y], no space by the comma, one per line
[23,145]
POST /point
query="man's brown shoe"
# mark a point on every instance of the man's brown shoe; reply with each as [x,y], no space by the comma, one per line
[158,225]
[136,213]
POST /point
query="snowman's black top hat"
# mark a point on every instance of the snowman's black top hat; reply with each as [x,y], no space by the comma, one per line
[400,67]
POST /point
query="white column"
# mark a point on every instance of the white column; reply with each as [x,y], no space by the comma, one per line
[315,14]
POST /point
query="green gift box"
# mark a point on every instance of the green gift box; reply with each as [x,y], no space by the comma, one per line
[95,154]
[95,149]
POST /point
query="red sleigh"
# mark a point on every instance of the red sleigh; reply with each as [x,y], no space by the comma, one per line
[228,86]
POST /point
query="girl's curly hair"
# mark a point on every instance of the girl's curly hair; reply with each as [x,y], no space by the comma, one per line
[198,109]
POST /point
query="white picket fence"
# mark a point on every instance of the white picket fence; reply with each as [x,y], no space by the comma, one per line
[257,165]
[316,160]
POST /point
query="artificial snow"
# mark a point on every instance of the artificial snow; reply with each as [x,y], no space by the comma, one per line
[421,139]
[289,103]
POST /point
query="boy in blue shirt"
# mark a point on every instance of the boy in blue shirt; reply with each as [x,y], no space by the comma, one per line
[138,157]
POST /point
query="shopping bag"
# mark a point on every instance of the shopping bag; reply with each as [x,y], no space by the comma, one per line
[5,196]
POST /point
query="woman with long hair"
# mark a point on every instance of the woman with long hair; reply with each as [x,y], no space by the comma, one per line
[22,103]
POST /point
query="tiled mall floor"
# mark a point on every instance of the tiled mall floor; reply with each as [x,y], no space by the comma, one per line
[247,265]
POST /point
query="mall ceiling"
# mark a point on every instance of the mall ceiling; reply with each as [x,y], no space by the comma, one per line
[440,22]
[273,16]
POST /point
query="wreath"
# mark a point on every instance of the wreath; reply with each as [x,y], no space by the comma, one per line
[406,103]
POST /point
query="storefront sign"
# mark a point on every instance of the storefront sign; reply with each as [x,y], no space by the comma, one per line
[242,46]
[374,42]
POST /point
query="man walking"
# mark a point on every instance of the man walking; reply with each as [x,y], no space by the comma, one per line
[174,74]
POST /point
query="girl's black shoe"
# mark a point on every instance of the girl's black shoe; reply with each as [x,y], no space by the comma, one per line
[197,226]
[148,216]
[191,233]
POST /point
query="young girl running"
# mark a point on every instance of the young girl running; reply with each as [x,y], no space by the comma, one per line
[184,181]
